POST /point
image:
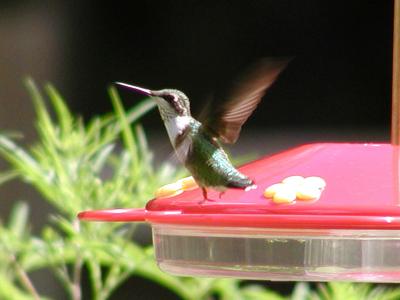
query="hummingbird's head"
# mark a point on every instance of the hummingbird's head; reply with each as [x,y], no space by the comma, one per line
[171,103]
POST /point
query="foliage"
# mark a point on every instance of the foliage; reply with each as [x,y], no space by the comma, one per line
[76,167]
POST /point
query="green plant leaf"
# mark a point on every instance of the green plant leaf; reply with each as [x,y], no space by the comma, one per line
[65,119]
[19,219]
[7,176]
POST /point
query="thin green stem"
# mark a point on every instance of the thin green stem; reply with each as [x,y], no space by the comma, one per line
[63,277]
[95,278]
[111,279]
[206,286]
[24,279]
[323,289]
[76,279]
[114,279]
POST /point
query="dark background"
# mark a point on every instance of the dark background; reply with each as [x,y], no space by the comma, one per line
[340,75]
[337,87]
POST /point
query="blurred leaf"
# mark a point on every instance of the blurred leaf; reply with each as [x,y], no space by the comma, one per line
[7,176]
[65,119]
[301,291]
[256,292]
[19,219]
[9,291]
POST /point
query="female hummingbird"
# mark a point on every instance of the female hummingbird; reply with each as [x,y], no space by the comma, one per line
[198,144]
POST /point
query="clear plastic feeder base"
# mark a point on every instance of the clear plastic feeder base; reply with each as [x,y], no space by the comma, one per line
[281,255]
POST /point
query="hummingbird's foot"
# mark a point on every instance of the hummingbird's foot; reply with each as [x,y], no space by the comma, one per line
[221,194]
[204,193]
[205,197]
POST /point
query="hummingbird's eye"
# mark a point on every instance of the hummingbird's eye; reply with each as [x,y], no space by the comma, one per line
[174,102]
[169,98]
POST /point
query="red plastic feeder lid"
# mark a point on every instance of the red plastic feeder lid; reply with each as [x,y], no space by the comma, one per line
[362,192]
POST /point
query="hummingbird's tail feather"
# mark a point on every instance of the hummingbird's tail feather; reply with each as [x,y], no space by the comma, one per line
[240,183]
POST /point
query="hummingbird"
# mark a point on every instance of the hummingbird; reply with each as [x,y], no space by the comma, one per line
[198,142]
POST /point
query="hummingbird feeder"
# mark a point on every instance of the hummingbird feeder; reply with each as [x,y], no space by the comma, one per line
[346,228]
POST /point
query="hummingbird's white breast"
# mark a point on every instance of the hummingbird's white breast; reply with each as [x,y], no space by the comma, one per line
[176,126]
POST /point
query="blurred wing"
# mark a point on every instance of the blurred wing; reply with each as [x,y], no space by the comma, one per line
[226,121]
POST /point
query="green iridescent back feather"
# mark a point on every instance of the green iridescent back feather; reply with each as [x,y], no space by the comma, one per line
[208,162]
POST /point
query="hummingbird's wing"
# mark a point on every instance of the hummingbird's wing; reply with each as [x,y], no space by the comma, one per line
[225,121]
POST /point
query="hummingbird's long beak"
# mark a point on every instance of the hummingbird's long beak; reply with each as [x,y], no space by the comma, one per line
[137,89]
